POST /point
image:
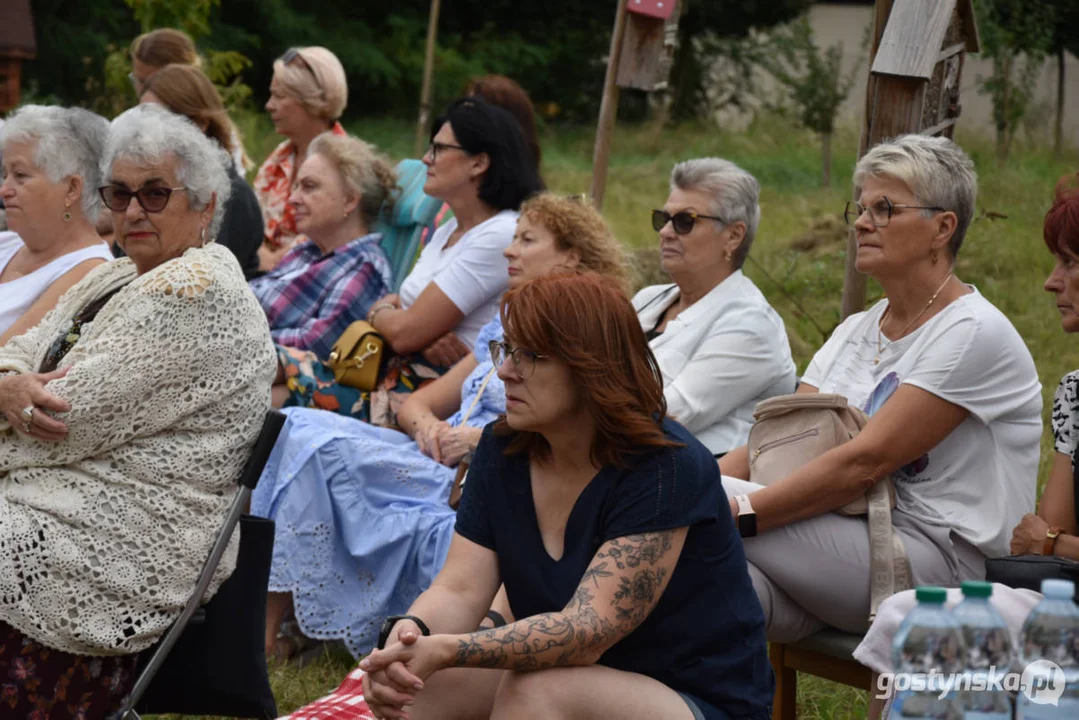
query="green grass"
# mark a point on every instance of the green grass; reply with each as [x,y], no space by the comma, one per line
[801,245]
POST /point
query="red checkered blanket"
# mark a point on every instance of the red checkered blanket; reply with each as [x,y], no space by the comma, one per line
[344,703]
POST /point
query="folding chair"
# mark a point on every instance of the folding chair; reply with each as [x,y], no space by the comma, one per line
[191,698]
[413,212]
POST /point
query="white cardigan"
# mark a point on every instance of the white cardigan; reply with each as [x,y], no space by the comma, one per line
[719,358]
[102,534]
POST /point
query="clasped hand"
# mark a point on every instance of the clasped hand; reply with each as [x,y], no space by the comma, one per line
[393,676]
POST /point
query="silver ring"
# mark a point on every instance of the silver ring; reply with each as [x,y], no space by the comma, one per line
[28,414]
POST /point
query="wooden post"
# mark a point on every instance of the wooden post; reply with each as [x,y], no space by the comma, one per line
[608,109]
[428,72]
[853,281]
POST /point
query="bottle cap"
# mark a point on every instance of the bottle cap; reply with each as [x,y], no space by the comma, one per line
[1058,589]
[976,589]
[931,594]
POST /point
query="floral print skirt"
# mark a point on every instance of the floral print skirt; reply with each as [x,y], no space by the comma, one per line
[311,384]
[39,683]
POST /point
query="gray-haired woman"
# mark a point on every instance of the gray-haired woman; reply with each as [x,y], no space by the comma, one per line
[954,405]
[127,414]
[50,179]
[721,347]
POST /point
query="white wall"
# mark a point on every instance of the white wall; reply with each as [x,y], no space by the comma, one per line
[847,23]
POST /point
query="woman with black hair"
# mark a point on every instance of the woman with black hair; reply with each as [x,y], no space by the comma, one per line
[480,165]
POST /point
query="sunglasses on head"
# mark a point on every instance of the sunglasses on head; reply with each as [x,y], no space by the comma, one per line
[153,199]
[294,54]
[682,222]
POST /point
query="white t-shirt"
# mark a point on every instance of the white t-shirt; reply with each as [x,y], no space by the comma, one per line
[19,294]
[981,479]
[473,273]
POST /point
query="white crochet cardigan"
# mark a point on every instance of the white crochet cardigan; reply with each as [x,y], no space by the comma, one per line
[102,535]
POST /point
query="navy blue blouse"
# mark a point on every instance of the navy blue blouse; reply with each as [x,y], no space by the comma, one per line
[705,637]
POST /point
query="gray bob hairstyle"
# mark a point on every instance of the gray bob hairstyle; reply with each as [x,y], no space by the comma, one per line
[734,195]
[69,141]
[148,134]
[935,169]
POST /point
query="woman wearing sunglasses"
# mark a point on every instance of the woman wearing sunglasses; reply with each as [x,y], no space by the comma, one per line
[954,407]
[308,93]
[361,512]
[187,91]
[604,520]
[126,417]
[720,346]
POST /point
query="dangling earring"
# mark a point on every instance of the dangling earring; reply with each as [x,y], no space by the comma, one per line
[727,255]
[67,215]
[933,256]
[202,237]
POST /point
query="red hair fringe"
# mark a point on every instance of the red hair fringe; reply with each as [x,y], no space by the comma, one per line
[1061,229]
[586,321]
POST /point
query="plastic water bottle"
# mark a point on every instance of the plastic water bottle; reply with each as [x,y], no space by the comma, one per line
[989,655]
[926,649]
[1050,689]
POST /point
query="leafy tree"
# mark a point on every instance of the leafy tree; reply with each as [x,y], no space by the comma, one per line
[814,80]
[1016,35]
[1065,40]
[705,21]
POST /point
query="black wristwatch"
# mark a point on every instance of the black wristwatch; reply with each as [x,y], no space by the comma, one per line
[747,519]
[387,628]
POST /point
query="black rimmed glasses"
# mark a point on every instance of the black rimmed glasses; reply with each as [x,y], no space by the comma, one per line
[880,212]
[152,198]
[524,361]
[682,222]
[435,148]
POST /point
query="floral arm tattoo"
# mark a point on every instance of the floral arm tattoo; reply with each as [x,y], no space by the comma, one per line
[620,588]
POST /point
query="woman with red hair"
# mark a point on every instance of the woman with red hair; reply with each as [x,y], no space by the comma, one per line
[1054,530]
[606,523]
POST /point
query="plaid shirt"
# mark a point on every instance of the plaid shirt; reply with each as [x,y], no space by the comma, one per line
[310,298]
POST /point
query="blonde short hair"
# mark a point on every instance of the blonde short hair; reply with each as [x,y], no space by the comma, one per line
[317,81]
[363,169]
[935,169]
[577,225]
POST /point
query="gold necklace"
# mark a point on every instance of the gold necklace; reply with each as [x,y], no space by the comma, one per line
[880,324]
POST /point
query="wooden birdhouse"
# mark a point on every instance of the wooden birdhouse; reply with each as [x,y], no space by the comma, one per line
[915,75]
[17,44]
[650,36]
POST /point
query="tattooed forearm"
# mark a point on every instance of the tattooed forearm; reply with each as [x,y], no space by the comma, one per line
[628,573]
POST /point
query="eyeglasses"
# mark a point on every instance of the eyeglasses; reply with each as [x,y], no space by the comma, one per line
[437,147]
[152,199]
[294,54]
[682,222]
[880,212]
[524,361]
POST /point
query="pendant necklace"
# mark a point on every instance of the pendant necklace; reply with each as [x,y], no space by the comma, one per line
[881,344]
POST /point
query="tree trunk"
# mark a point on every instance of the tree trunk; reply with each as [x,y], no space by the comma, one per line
[1058,129]
[1003,112]
[826,159]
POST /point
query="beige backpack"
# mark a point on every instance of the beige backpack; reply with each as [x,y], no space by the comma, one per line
[791,430]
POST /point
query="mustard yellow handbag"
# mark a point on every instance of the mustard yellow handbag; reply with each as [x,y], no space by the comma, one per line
[356,358]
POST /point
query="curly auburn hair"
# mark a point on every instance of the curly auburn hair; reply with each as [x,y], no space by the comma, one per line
[586,321]
[577,225]
[1061,228]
